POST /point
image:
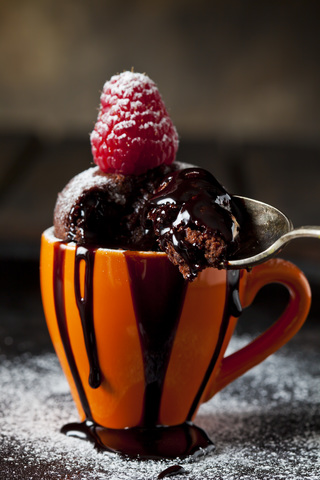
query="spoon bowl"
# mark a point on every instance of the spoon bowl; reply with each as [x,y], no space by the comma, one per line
[265,230]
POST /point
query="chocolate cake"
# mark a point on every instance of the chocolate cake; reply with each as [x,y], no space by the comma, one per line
[184,212]
[104,209]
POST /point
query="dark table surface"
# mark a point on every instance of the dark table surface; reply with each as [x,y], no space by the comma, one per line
[265,425]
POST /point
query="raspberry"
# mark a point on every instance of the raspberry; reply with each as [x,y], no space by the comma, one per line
[133,132]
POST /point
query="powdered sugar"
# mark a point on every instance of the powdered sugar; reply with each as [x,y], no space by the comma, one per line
[265,425]
[84,179]
[128,83]
[78,186]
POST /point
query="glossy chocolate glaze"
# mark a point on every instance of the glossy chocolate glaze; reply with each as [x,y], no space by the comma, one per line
[200,200]
[194,220]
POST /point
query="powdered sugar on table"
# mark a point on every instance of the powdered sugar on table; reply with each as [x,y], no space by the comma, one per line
[266,425]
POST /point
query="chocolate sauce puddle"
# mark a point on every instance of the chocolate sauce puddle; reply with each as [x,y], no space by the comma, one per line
[155,443]
[153,289]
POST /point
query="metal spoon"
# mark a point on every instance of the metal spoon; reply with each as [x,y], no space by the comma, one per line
[265,230]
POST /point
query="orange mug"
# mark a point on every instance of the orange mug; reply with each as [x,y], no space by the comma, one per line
[142,348]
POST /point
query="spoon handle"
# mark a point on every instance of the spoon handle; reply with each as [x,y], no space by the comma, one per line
[306,231]
[301,232]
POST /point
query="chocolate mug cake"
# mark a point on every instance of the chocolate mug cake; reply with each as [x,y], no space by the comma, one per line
[139,303]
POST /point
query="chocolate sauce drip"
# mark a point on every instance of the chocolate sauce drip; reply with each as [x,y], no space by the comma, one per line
[158,292]
[185,440]
[233,308]
[85,307]
[58,289]
[233,305]
[170,471]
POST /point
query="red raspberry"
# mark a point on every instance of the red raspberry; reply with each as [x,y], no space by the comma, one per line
[134,132]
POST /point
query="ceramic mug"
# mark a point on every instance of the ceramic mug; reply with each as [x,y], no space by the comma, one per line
[140,346]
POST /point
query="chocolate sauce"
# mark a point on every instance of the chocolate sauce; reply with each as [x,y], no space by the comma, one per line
[153,288]
[158,291]
[145,443]
[194,216]
[170,471]
[85,307]
[58,289]
[200,200]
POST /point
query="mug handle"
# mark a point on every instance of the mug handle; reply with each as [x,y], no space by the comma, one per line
[282,330]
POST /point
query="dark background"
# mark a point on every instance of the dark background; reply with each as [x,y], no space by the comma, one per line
[240,79]
[231,70]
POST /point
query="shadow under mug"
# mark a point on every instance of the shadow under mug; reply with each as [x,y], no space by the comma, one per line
[142,348]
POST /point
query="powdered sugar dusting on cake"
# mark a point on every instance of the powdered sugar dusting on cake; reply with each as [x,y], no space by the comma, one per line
[77,186]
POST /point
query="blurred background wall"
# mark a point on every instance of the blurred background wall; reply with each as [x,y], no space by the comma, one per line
[240,79]
[234,70]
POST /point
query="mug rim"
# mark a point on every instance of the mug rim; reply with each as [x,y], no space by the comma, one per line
[49,236]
